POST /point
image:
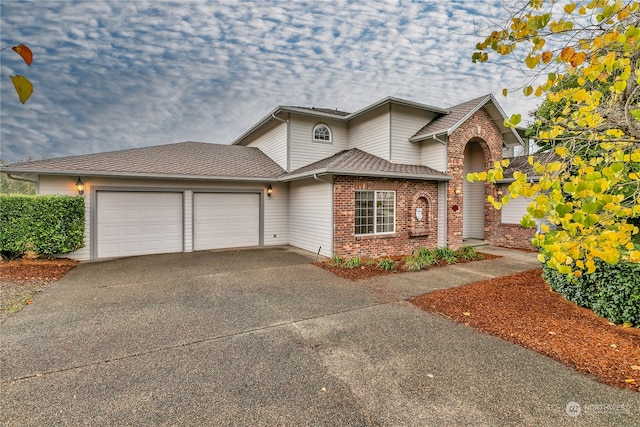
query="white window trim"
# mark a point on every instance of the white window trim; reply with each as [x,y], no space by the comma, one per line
[322,141]
[375,213]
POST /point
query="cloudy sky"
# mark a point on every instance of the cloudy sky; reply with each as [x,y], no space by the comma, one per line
[111,75]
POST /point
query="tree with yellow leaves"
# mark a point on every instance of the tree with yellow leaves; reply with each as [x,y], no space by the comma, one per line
[590,189]
[22,85]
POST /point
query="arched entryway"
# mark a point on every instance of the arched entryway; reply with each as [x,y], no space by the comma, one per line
[473,201]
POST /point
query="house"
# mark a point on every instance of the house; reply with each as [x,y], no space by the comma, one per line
[383,180]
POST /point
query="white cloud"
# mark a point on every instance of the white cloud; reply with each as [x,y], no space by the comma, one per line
[111,75]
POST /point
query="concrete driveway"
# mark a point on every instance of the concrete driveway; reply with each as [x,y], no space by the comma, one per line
[261,337]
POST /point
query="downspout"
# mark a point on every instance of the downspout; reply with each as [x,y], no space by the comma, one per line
[278,118]
[439,140]
[446,154]
[317,178]
[390,134]
[33,181]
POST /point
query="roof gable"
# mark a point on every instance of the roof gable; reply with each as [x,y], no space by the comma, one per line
[328,113]
[458,114]
[451,121]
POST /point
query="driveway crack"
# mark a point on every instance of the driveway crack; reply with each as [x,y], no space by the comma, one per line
[190,343]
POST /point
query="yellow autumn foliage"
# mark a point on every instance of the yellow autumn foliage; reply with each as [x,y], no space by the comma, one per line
[590,190]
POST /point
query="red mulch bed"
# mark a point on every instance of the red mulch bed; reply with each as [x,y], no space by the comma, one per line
[25,270]
[523,309]
[22,279]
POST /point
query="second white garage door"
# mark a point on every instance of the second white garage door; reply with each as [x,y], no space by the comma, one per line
[225,220]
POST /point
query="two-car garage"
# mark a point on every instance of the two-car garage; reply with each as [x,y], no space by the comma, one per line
[129,223]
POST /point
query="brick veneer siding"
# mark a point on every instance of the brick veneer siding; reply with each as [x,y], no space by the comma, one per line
[409,234]
[481,128]
[512,236]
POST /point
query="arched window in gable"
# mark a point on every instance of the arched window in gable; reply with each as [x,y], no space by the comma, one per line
[322,133]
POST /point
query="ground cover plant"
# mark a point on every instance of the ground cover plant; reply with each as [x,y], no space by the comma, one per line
[356,268]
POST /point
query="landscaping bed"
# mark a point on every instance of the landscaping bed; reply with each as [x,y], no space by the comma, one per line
[365,268]
[22,279]
[522,309]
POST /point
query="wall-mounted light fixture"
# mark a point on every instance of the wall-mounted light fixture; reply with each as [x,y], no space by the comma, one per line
[499,192]
[269,190]
[458,191]
[80,186]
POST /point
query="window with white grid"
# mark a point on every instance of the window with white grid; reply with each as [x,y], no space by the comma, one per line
[322,133]
[375,212]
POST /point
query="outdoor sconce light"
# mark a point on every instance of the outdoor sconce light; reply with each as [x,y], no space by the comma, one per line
[458,191]
[80,186]
[269,190]
[499,193]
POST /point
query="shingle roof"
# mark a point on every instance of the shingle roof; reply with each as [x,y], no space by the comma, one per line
[448,121]
[358,162]
[184,159]
[521,164]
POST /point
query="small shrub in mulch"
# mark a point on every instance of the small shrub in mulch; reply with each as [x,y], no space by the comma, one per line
[357,268]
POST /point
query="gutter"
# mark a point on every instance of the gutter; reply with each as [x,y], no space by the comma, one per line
[86,173]
[380,174]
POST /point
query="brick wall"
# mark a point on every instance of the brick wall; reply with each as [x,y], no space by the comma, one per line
[481,128]
[409,234]
[513,236]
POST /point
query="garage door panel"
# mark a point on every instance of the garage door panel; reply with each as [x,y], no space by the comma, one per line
[138,223]
[226,220]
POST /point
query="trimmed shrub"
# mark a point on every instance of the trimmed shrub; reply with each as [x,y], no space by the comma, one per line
[612,291]
[44,225]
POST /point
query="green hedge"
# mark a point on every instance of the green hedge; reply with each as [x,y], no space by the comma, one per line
[46,225]
[612,291]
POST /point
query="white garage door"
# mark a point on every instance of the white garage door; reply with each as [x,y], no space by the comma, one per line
[225,220]
[138,223]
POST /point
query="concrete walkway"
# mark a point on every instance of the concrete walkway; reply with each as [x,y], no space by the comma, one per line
[262,337]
